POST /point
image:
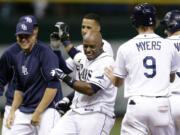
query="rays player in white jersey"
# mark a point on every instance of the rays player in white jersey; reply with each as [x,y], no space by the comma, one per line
[90,22]
[145,63]
[92,109]
[171,21]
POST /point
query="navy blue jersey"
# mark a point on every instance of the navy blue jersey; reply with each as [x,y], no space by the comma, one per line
[62,63]
[7,71]
[33,76]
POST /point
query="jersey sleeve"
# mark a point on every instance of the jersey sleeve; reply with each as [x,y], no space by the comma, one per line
[48,62]
[62,64]
[175,63]
[119,69]
[97,75]
[3,72]
[107,48]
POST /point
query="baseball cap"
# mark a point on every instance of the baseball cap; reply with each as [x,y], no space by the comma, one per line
[24,28]
[29,19]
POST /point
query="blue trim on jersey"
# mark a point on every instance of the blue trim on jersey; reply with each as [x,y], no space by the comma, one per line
[99,85]
[73,51]
[95,87]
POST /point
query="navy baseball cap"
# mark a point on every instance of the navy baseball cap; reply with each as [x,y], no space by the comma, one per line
[24,28]
[29,19]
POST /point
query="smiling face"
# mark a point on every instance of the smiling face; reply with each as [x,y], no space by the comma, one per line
[88,25]
[92,45]
[26,41]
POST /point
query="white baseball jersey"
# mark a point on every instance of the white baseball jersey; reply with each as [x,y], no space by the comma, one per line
[175,86]
[106,47]
[93,72]
[146,62]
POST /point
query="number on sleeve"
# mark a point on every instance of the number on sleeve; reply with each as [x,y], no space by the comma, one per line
[150,63]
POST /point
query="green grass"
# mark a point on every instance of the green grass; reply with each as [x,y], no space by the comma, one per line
[116,128]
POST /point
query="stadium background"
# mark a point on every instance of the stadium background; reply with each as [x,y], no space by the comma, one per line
[116,26]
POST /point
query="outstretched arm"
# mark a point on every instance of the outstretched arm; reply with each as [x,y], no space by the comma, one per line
[80,86]
[15,105]
[116,81]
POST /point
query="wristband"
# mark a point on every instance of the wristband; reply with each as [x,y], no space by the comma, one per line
[66,43]
[69,80]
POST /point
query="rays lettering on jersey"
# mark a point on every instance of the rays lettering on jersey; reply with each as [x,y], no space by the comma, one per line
[148,45]
[24,70]
[177,46]
[84,74]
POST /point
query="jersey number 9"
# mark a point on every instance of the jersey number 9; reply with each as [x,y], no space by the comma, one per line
[150,63]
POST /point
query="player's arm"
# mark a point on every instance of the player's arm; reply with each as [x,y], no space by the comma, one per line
[64,104]
[55,44]
[172,77]
[64,37]
[15,105]
[80,86]
[46,100]
[4,71]
[116,81]
[46,56]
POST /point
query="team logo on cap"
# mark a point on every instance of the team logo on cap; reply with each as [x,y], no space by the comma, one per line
[28,19]
[23,27]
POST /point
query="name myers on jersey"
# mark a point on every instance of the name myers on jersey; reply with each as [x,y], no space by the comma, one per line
[177,46]
[148,45]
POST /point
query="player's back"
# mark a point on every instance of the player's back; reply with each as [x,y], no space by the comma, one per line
[148,61]
[175,42]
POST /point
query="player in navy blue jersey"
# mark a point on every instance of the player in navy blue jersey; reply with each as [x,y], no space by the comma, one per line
[36,92]
[7,71]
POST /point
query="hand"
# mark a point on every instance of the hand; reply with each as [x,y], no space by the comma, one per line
[63,105]
[63,31]
[36,117]
[10,119]
[55,42]
[109,73]
[58,73]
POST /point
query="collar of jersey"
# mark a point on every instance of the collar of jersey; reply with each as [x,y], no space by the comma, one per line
[152,35]
[174,37]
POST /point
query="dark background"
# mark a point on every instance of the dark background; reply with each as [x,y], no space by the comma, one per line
[114,18]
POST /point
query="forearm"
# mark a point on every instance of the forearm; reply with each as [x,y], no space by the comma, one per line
[17,100]
[47,99]
[83,87]
[116,81]
[71,50]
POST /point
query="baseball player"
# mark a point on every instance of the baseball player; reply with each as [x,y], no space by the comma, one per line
[145,63]
[171,21]
[93,103]
[90,21]
[7,71]
[36,91]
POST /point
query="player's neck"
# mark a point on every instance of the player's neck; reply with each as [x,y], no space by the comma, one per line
[176,33]
[145,31]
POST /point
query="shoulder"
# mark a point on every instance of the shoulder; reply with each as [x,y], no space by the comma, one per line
[43,45]
[106,42]
[104,59]
[12,49]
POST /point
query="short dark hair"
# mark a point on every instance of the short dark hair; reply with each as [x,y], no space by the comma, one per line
[93,16]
